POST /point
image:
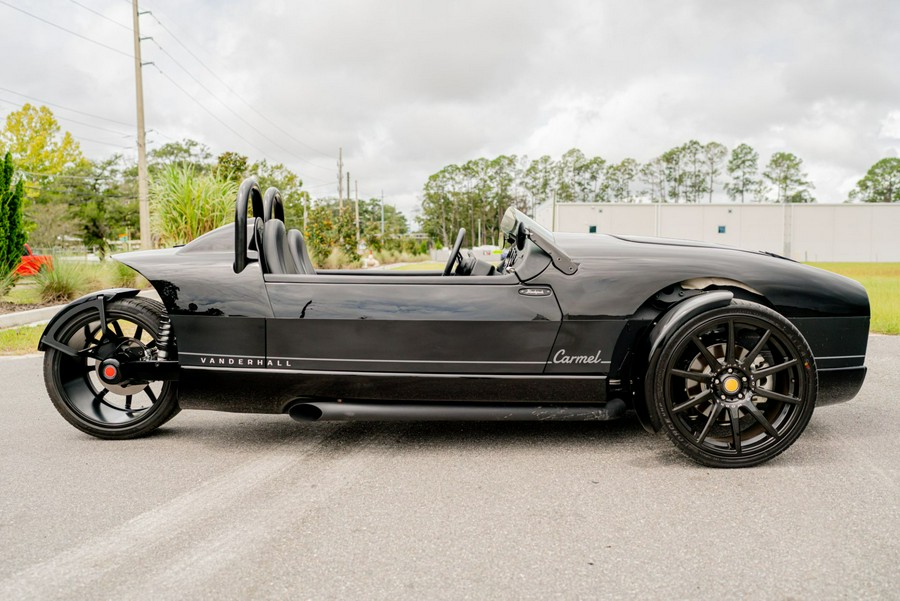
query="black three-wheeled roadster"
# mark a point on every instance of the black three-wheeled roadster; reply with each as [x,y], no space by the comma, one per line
[727,351]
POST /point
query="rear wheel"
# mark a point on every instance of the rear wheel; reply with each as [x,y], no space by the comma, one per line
[736,386]
[115,411]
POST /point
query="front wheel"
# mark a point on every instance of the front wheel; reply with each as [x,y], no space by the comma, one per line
[735,386]
[126,410]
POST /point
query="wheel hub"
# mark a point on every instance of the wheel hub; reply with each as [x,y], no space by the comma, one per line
[731,384]
[108,369]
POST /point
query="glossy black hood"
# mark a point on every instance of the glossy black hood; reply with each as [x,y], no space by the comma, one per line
[639,267]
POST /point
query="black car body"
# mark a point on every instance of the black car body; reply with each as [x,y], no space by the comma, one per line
[567,327]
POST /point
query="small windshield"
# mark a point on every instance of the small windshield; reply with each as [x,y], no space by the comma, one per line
[513,217]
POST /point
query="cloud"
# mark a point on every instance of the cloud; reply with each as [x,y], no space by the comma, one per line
[406,87]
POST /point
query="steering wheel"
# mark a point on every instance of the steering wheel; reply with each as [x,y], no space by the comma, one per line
[455,254]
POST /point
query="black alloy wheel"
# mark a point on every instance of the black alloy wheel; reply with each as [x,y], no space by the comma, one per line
[735,386]
[83,398]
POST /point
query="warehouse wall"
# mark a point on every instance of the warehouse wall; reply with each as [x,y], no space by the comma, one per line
[813,232]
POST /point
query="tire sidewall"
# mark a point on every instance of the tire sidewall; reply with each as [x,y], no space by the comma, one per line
[145,312]
[738,308]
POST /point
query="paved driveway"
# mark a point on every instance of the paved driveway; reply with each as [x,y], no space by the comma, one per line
[240,506]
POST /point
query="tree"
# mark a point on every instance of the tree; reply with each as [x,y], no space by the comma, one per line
[99,199]
[328,227]
[33,137]
[743,168]
[785,172]
[290,185]
[713,155]
[693,180]
[618,179]
[653,175]
[565,175]
[12,227]
[185,152]
[538,180]
[232,166]
[673,167]
[590,180]
[880,184]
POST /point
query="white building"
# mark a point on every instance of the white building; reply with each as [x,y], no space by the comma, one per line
[804,232]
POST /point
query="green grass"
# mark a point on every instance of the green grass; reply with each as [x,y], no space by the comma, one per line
[25,293]
[20,341]
[72,279]
[882,282]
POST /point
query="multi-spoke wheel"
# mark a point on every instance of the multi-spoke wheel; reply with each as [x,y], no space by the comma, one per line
[75,385]
[736,386]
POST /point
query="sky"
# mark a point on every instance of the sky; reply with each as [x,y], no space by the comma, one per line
[406,88]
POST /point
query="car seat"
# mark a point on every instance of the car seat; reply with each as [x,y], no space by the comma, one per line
[298,253]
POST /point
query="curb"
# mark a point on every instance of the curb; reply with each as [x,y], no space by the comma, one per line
[24,318]
[44,314]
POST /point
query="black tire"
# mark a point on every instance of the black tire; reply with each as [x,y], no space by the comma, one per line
[735,386]
[104,411]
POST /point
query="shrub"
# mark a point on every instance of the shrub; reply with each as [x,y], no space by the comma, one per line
[185,204]
[66,281]
[123,276]
[7,281]
[338,259]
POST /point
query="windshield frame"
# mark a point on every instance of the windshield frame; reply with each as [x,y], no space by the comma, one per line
[525,220]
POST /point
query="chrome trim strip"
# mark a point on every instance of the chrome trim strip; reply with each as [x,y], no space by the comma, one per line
[407,361]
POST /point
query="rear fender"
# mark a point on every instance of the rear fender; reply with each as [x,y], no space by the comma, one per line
[95,301]
[663,330]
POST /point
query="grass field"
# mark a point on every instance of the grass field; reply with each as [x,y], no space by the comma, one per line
[20,341]
[882,282]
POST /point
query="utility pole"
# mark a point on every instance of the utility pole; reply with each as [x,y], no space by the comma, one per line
[341,178]
[348,190]
[356,193]
[143,187]
[382,216]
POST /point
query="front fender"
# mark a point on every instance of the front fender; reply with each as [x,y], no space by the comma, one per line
[95,301]
[660,335]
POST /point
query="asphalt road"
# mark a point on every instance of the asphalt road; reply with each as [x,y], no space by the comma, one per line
[234,506]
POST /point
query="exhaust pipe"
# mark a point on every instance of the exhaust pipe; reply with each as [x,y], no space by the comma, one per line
[392,412]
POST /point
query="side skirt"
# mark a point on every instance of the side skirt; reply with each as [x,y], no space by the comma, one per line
[394,412]
[273,391]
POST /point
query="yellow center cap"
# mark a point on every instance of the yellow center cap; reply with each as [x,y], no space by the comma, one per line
[731,385]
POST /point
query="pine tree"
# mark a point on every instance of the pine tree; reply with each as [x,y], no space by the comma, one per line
[12,227]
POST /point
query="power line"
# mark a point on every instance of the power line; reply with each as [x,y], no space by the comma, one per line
[101,15]
[83,139]
[69,119]
[66,175]
[232,111]
[75,33]
[212,114]
[230,89]
[65,108]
